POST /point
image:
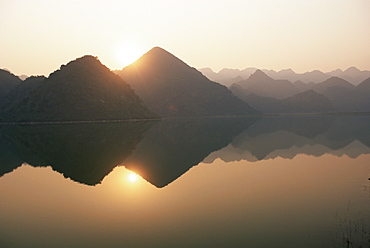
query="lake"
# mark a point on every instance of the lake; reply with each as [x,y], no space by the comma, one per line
[273,181]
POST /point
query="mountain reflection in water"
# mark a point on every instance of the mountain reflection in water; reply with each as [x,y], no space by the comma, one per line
[159,151]
[162,151]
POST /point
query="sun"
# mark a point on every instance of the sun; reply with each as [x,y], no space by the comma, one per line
[132,177]
[128,55]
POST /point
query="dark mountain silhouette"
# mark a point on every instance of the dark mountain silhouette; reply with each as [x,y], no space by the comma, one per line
[82,90]
[23,89]
[85,153]
[170,87]
[262,85]
[8,81]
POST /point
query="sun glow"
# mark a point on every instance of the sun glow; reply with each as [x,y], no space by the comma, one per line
[128,55]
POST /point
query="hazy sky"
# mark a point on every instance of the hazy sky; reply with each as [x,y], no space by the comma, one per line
[37,36]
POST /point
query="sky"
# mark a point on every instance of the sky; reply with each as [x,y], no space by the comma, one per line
[38,36]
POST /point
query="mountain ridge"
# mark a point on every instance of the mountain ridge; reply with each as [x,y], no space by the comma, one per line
[224,76]
[82,90]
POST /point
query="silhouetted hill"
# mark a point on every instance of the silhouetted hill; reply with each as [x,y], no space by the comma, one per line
[364,86]
[82,90]
[308,102]
[8,81]
[363,96]
[305,102]
[352,75]
[347,98]
[331,82]
[23,89]
[262,85]
[170,87]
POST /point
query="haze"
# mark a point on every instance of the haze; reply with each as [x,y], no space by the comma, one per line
[37,35]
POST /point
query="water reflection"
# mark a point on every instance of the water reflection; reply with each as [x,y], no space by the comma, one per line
[86,153]
[304,201]
[173,146]
[289,136]
[160,152]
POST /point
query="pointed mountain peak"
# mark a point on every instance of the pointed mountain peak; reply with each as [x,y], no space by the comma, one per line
[157,60]
[259,75]
[159,53]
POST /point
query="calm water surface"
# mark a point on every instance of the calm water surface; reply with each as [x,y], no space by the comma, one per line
[212,182]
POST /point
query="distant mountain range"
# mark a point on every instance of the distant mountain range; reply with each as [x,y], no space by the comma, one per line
[161,85]
[170,87]
[269,95]
[229,76]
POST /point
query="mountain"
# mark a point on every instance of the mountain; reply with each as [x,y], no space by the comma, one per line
[344,96]
[170,87]
[261,84]
[331,82]
[23,89]
[364,86]
[352,75]
[226,76]
[8,81]
[82,90]
[305,102]
[362,93]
